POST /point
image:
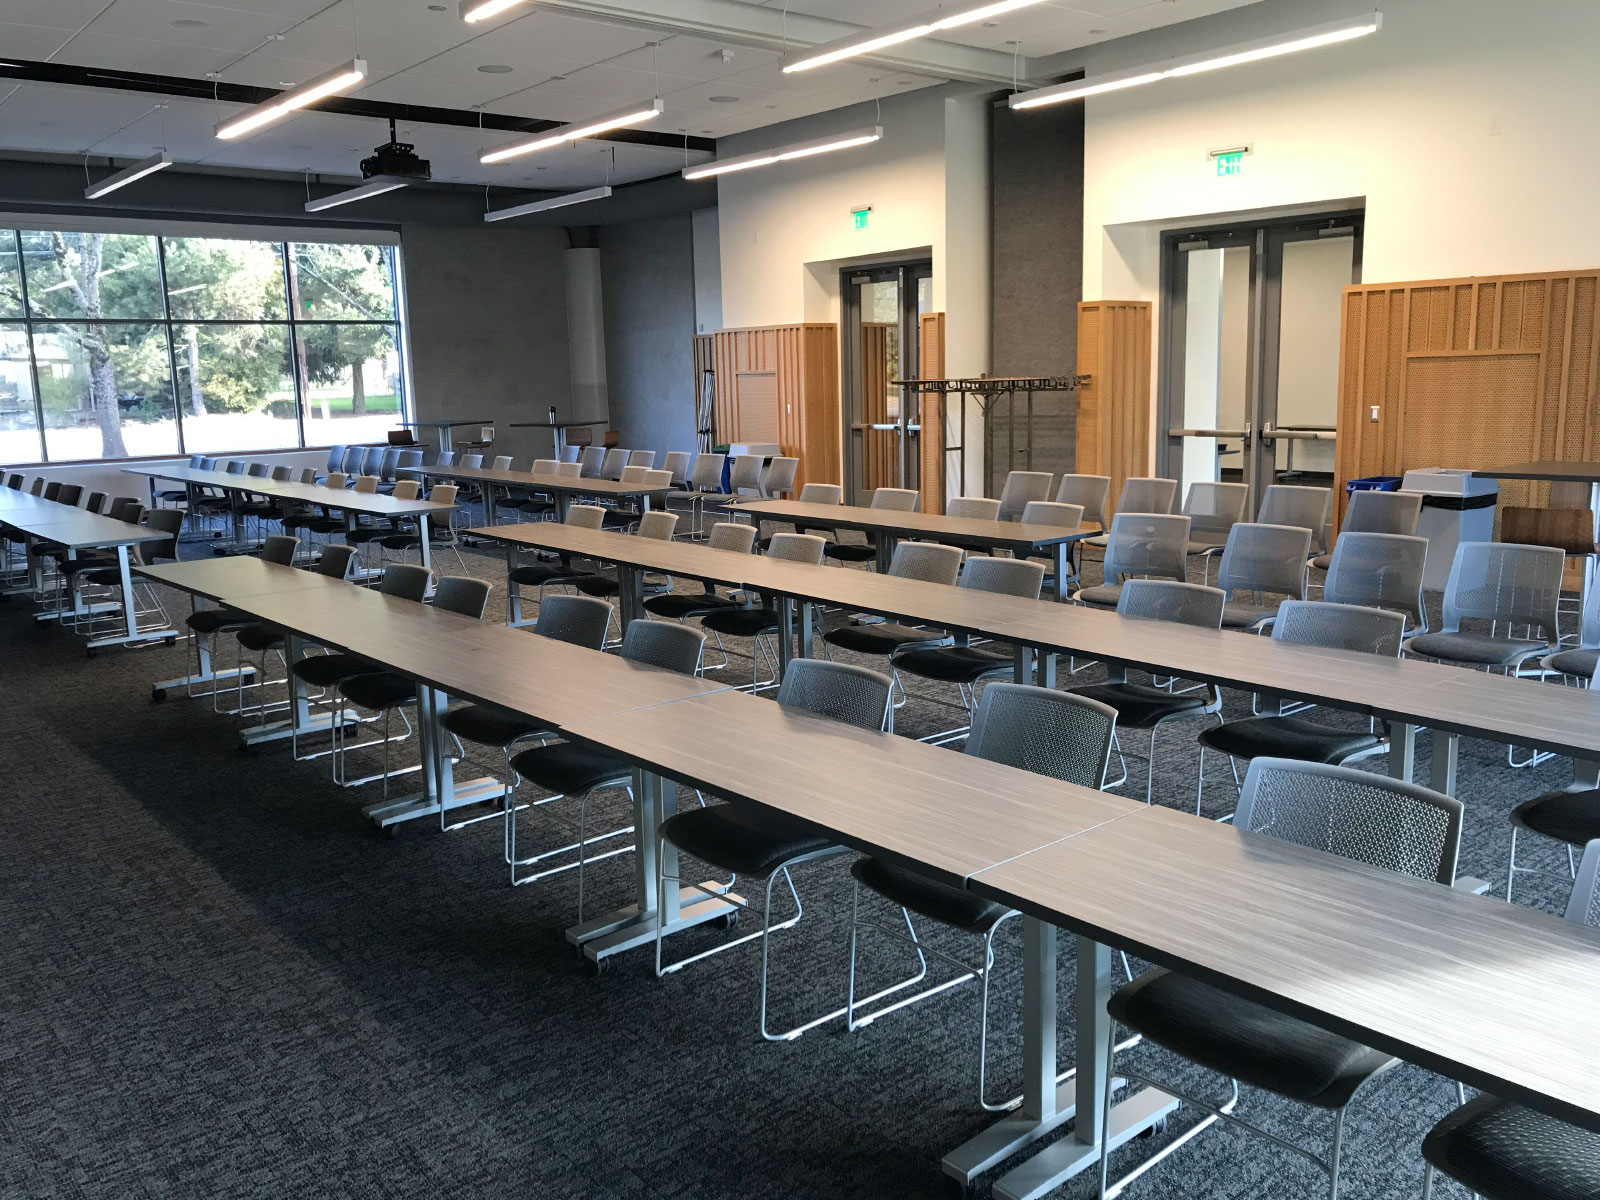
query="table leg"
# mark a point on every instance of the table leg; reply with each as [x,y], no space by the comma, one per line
[1063,561]
[513,588]
[427,540]
[1402,751]
[440,792]
[159,689]
[1022,665]
[490,513]
[884,548]
[630,594]
[1442,770]
[787,634]
[133,633]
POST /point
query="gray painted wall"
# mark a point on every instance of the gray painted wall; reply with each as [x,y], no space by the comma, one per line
[489,329]
[1037,273]
[648,273]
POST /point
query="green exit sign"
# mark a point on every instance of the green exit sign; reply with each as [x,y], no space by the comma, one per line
[1230,164]
[860,216]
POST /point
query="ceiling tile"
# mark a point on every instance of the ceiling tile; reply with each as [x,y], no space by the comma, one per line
[34,42]
[225,29]
[53,14]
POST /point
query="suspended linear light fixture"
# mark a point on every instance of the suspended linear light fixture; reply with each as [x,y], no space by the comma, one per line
[473,11]
[337,80]
[631,115]
[1211,60]
[891,35]
[763,158]
[539,206]
[375,186]
[127,175]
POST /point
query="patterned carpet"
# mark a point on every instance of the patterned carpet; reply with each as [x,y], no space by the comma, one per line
[221,982]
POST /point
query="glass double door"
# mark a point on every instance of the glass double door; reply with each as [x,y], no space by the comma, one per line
[1251,351]
[883,307]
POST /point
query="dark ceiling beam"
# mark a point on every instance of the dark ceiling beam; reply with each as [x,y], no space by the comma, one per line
[65,75]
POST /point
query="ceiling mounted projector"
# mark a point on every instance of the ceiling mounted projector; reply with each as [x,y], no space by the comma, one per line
[396,159]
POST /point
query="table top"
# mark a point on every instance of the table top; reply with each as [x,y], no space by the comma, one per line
[224,580]
[961,530]
[373,503]
[445,424]
[692,559]
[1551,470]
[544,483]
[1498,996]
[76,529]
[552,682]
[952,814]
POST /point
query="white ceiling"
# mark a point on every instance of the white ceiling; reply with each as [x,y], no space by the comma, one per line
[563,68]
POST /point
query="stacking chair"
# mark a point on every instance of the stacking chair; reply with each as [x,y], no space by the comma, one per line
[1377,512]
[680,606]
[612,463]
[350,465]
[626,518]
[1383,822]
[337,562]
[656,525]
[1502,583]
[744,476]
[963,664]
[1036,729]
[884,499]
[777,479]
[372,460]
[279,549]
[531,503]
[1579,662]
[1065,516]
[1147,494]
[1505,1151]
[1213,510]
[748,840]
[590,460]
[1289,736]
[1144,706]
[927,561]
[641,458]
[1139,544]
[811,493]
[577,620]
[577,772]
[1020,489]
[705,483]
[1380,570]
[1262,560]
[441,528]
[678,462]
[976,508]
[1308,507]
[447,458]
[335,460]
[759,622]
[1089,491]
[387,693]
[569,470]
[562,572]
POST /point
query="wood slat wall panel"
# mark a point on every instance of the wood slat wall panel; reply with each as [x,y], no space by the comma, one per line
[930,354]
[1470,373]
[1113,433]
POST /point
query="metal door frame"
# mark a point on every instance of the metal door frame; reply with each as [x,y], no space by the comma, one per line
[904,273]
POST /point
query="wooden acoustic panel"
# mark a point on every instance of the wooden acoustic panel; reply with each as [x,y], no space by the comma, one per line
[1469,373]
[1113,422]
[756,400]
[931,441]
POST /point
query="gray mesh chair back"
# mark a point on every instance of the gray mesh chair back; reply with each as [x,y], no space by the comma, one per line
[1006,576]
[569,470]
[590,460]
[927,561]
[335,458]
[895,499]
[502,462]
[1022,488]
[52,490]
[579,620]
[1215,508]
[745,474]
[1265,558]
[1500,581]
[585,516]
[1091,491]
[372,461]
[678,462]
[1584,905]
[387,464]
[1053,512]
[365,485]
[405,580]
[641,458]
[446,458]
[661,479]
[164,520]
[978,508]
[1380,570]
[1147,544]
[1167,600]
[1340,627]
[1382,512]
[14,481]
[336,480]
[612,462]
[664,644]
[471,460]
[408,458]
[1037,729]
[350,464]
[462,594]
[407,489]
[70,494]
[38,485]
[257,471]
[842,691]
[545,466]
[796,547]
[95,502]
[707,473]
[237,466]
[1307,507]
[658,525]
[125,508]
[443,493]
[306,475]
[778,478]
[1373,819]
[337,560]
[281,474]
[569,454]
[732,535]
[1147,494]
[633,475]
[279,548]
[821,493]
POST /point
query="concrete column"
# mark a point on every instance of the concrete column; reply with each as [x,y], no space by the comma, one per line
[586,336]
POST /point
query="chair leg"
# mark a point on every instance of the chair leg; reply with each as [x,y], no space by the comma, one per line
[1334,1153]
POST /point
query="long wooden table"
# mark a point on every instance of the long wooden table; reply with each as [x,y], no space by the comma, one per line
[887,526]
[561,487]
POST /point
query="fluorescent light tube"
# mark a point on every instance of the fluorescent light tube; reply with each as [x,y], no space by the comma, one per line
[631,115]
[482,10]
[127,175]
[904,31]
[538,206]
[762,158]
[376,186]
[337,80]
[1211,60]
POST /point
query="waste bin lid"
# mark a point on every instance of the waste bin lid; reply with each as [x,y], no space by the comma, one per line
[1448,481]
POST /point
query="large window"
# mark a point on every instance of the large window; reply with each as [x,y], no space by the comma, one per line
[118,345]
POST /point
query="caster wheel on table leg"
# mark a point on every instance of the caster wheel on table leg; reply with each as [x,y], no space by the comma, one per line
[727,920]
[597,966]
[157,695]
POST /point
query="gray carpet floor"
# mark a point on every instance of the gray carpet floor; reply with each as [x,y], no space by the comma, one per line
[220,981]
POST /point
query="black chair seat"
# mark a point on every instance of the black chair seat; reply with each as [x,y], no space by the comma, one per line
[1140,706]
[1477,648]
[884,638]
[619,518]
[217,620]
[740,839]
[1322,561]
[92,561]
[1504,1151]
[325,670]
[677,606]
[1287,737]
[954,664]
[742,622]
[103,577]
[850,552]
[379,690]
[1571,817]
[369,533]
[1104,595]
[597,585]
[1574,662]
[541,574]
[942,902]
[1248,1041]
[260,637]
[571,770]
[1237,614]
[488,725]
